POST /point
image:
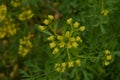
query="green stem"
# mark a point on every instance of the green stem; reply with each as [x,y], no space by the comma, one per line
[52,30]
[68,54]
[102,5]
[81,56]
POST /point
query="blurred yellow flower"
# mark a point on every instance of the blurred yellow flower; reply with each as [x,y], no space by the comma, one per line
[50,17]
[57,67]
[60,37]
[3,11]
[46,21]
[75,44]
[69,45]
[69,21]
[52,44]
[109,57]
[78,38]
[70,64]
[107,52]
[67,34]
[15,3]
[106,63]
[82,28]
[2,33]
[76,24]
[62,44]
[105,12]
[63,65]
[25,15]
[78,62]
[42,28]
[55,50]
[51,38]
[72,39]
[25,46]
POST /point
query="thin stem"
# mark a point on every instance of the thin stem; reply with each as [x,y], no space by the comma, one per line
[68,54]
[102,5]
[81,56]
[52,30]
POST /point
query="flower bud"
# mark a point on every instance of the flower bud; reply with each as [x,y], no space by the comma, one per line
[69,21]
[76,24]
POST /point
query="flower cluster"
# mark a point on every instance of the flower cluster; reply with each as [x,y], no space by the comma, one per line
[105,12]
[68,39]
[8,27]
[63,41]
[61,67]
[108,57]
[3,11]
[15,3]
[25,14]
[47,22]
[25,46]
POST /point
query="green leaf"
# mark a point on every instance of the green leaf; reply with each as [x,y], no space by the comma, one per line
[102,29]
[24,74]
[116,53]
[85,75]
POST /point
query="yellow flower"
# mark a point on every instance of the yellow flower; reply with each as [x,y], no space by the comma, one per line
[69,45]
[82,28]
[25,52]
[76,24]
[42,28]
[25,15]
[105,12]
[107,52]
[46,21]
[52,44]
[75,44]
[3,8]
[62,44]
[72,39]
[70,64]
[78,62]
[55,51]
[57,67]
[108,57]
[24,47]
[60,37]
[63,69]
[69,21]
[67,34]
[15,4]
[78,38]
[2,33]
[63,66]
[50,17]
[106,63]
[51,38]
[11,29]
[3,11]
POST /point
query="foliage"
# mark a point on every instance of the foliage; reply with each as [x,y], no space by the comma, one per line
[59,40]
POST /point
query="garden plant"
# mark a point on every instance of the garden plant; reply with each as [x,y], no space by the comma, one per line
[59,40]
